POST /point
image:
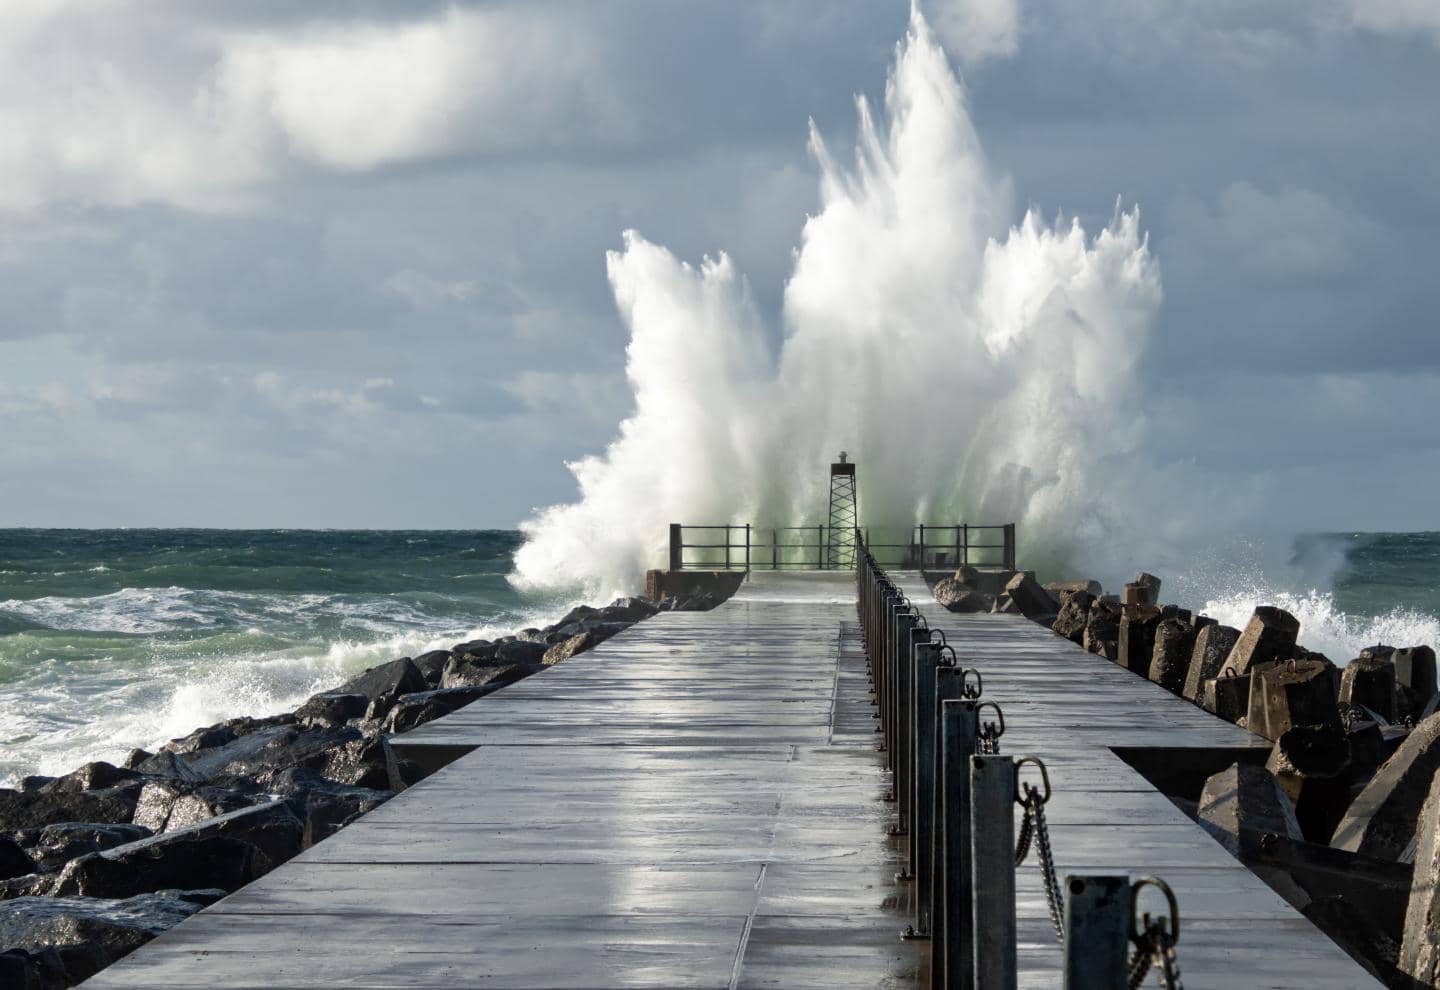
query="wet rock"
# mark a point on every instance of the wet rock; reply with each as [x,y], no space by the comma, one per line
[360,762]
[1381,821]
[1367,750]
[136,757]
[1074,615]
[461,672]
[568,648]
[207,764]
[416,709]
[1354,929]
[386,682]
[1241,803]
[1102,629]
[1370,683]
[203,738]
[165,806]
[56,845]
[1420,944]
[475,649]
[14,861]
[92,777]
[111,805]
[1170,657]
[432,666]
[579,613]
[329,806]
[1136,642]
[520,652]
[226,852]
[1213,644]
[82,935]
[403,773]
[1269,638]
[629,610]
[1301,692]
[334,707]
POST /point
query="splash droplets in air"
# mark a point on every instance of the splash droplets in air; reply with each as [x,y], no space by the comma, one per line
[975,373]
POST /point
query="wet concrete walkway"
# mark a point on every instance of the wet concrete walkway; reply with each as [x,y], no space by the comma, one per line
[695,803]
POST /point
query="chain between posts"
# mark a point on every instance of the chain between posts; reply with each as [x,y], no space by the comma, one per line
[1035,829]
[1154,938]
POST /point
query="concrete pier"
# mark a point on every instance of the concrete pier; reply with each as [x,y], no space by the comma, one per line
[698,803]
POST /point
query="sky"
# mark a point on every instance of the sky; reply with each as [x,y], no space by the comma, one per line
[344,264]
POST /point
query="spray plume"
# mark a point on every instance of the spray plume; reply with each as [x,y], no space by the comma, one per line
[975,373]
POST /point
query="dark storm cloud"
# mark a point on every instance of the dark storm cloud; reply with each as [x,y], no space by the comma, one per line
[343,263]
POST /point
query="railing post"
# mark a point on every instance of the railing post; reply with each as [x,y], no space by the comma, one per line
[921,566]
[900,736]
[677,552]
[952,945]
[992,841]
[965,530]
[819,548]
[747,548]
[1009,546]
[958,559]
[1097,932]
[774,549]
[925,667]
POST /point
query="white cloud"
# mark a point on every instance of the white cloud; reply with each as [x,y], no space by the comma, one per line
[121,105]
[976,30]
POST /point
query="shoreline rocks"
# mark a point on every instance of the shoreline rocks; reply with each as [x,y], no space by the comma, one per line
[98,861]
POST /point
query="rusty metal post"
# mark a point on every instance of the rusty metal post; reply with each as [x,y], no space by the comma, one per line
[747,548]
[1009,546]
[926,667]
[965,532]
[774,549]
[952,945]
[677,552]
[1097,932]
[921,565]
[992,842]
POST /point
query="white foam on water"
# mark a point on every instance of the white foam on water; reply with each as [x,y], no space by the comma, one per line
[975,370]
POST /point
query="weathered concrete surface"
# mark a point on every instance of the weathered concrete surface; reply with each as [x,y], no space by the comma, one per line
[1420,946]
[1170,659]
[1369,682]
[1382,820]
[1241,803]
[1269,637]
[1213,644]
[1301,692]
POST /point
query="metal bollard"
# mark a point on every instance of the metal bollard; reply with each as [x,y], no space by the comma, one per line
[925,665]
[1097,932]
[952,944]
[992,843]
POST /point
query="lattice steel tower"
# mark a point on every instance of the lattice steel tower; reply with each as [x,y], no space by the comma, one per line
[840,551]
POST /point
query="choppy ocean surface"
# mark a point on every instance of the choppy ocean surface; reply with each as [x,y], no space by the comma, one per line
[111,639]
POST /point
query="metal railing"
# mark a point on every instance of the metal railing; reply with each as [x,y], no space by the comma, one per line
[742,546]
[955,797]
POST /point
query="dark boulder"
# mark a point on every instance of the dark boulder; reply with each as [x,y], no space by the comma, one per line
[416,709]
[387,681]
[334,707]
[167,805]
[92,777]
[170,765]
[329,806]
[475,649]
[226,852]
[58,844]
[1136,643]
[80,935]
[14,860]
[461,672]
[1170,657]
[957,597]
[360,762]
[1381,821]
[1415,678]
[111,805]
[204,738]
[1033,601]
[519,651]
[1311,763]
[432,665]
